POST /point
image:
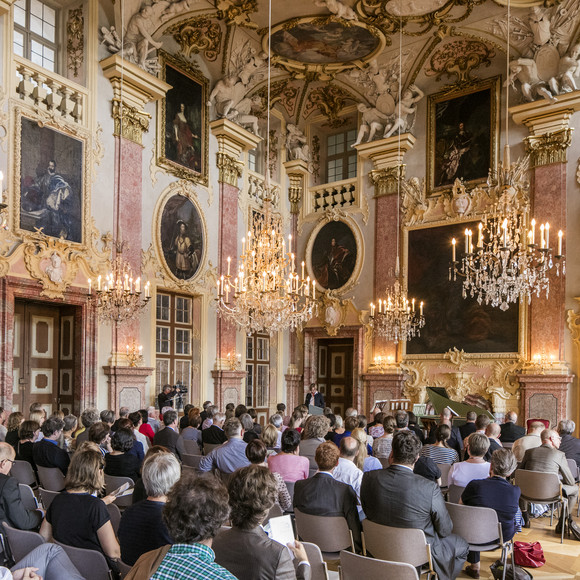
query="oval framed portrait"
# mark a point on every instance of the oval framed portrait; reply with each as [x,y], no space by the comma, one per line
[181,236]
[334,254]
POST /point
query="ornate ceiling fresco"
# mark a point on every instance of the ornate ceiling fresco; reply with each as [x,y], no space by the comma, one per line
[330,54]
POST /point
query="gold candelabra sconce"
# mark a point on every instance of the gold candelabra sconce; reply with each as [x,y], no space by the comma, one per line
[383,363]
[134,353]
[234,361]
[543,362]
[3,206]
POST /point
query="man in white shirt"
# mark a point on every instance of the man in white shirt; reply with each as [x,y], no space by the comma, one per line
[152,419]
[346,471]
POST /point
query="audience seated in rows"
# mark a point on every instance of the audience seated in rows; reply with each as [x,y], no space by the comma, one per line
[193,432]
[315,429]
[88,418]
[214,433]
[455,440]
[288,463]
[510,432]
[145,428]
[27,433]
[382,444]
[469,426]
[46,452]
[270,437]
[248,425]
[12,426]
[137,420]
[100,435]
[142,528]
[363,460]
[119,462]
[168,436]
[569,444]
[440,452]
[232,454]
[475,467]
[529,441]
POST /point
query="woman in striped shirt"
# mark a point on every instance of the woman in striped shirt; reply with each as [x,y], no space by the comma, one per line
[439,451]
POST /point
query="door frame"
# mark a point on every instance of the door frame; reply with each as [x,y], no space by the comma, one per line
[311,338]
[86,340]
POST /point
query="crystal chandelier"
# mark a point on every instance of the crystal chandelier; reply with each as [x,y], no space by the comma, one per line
[395,317]
[118,296]
[507,264]
[512,257]
[267,295]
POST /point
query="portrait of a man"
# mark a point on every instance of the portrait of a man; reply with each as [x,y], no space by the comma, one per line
[182,240]
[334,255]
[51,167]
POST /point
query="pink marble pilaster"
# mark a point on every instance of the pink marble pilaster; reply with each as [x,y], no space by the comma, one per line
[127,386]
[294,390]
[380,387]
[228,387]
[544,396]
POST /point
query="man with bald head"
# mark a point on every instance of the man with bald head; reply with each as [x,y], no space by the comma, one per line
[492,431]
[346,471]
[511,432]
[529,441]
[549,459]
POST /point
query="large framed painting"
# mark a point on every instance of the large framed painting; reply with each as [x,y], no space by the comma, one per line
[182,126]
[450,320]
[51,180]
[334,254]
[181,236]
[462,135]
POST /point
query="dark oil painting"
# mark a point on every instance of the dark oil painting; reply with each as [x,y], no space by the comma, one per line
[182,240]
[450,320]
[334,255]
[462,136]
[51,182]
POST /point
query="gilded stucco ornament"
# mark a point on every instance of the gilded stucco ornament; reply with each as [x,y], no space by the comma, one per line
[130,122]
[330,100]
[459,58]
[284,92]
[548,148]
[75,39]
[237,12]
[199,35]
[230,169]
[53,262]
[332,312]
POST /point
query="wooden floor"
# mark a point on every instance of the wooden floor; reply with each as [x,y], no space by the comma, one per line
[562,560]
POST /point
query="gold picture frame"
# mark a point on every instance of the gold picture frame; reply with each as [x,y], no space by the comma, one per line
[183,121]
[462,135]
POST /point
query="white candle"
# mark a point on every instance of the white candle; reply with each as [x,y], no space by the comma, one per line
[90,286]
[467,241]
[547,230]
[541,235]
[290,243]
[99,284]
[533,231]
[313,289]
[453,242]
[421,309]
[413,305]
[147,289]
[372,309]
[560,234]
[138,285]
[229,263]
[480,240]
[302,270]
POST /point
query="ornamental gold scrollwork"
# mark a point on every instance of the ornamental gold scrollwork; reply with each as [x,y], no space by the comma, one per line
[75,40]
[330,100]
[284,92]
[230,169]
[386,180]
[458,59]
[332,312]
[130,122]
[198,35]
[548,148]
[53,262]
[237,12]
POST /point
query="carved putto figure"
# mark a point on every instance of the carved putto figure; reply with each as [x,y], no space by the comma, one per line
[408,106]
[337,8]
[372,123]
[525,71]
[296,143]
[242,114]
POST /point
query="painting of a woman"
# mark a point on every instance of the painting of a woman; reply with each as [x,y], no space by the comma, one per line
[187,150]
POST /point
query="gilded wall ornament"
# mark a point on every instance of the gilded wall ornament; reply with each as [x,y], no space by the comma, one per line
[284,92]
[548,148]
[459,58]
[130,122]
[75,39]
[315,158]
[330,100]
[237,12]
[199,35]
[332,312]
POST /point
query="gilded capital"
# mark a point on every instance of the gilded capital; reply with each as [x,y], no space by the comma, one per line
[548,147]
[386,180]
[130,122]
[297,172]
[229,169]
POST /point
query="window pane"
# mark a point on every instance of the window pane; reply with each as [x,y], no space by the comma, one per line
[262,345]
[334,170]
[350,138]
[249,385]
[161,372]
[48,53]
[36,25]
[18,45]
[183,372]
[252,157]
[182,310]
[162,307]
[351,166]
[48,32]
[20,13]
[262,385]
[49,15]
[249,348]
[181,341]
[36,8]
[162,340]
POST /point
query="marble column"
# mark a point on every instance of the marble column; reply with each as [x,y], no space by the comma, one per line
[380,386]
[548,142]
[297,172]
[233,142]
[133,88]
[387,159]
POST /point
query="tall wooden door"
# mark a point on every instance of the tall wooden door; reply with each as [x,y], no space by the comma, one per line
[335,373]
[44,356]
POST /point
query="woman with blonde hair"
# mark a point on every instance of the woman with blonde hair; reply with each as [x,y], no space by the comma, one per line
[269,436]
[77,517]
[362,460]
[13,425]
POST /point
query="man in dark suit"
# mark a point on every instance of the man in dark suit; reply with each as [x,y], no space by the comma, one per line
[322,495]
[399,498]
[165,397]
[511,432]
[46,452]
[455,441]
[12,510]
[214,434]
[469,427]
[168,436]
[314,398]
[570,445]
[492,431]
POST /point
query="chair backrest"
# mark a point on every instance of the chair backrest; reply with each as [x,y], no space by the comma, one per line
[508,445]
[395,544]
[318,569]
[191,460]
[51,478]
[46,496]
[573,468]
[191,447]
[454,493]
[476,525]
[124,569]
[91,564]
[537,485]
[115,515]
[27,496]
[23,472]
[21,542]
[355,567]
[209,447]
[290,486]
[113,482]
[444,467]
[329,533]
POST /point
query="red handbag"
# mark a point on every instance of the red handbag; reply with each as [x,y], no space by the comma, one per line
[529,554]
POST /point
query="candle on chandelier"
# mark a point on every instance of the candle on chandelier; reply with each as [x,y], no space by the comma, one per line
[504,227]
[470,242]
[372,309]
[480,239]
[127,350]
[453,242]
[99,283]
[290,243]
[413,305]
[302,269]
[560,234]
[467,241]
[421,308]
[541,235]
[229,263]
[147,290]
[90,286]
[140,350]
[533,231]
[547,231]
[313,289]
[307,289]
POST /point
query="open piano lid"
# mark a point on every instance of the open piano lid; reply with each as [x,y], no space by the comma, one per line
[439,399]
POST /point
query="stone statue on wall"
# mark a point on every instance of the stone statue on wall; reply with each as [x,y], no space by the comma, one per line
[408,106]
[243,115]
[296,143]
[525,71]
[337,8]
[373,123]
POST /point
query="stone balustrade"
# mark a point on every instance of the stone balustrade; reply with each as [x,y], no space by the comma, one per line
[340,194]
[257,190]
